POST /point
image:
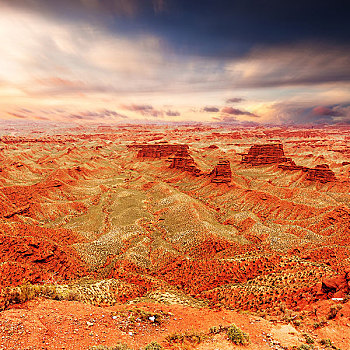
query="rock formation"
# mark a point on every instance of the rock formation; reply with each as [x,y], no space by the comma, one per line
[338,286]
[320,173]
[222,172]
[290,165]
[158,150]
[183,160]
[265,154]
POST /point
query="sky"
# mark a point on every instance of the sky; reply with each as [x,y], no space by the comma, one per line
[228,62]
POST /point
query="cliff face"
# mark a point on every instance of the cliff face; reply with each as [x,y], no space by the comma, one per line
[273,153]
[321,173]
[159,151]
[222,172]
[265,154]
[183,161]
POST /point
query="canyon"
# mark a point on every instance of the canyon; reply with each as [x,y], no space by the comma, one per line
[188,218]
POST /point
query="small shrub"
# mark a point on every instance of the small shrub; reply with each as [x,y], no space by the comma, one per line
[308,339]
[297,323]
[192,337]
[328,344]
[237,336]
[153,346]
[320,324]
[333,311]
[115,347]
[217,330]
[305,347]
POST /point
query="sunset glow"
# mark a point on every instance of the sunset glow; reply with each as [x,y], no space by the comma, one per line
[92,60]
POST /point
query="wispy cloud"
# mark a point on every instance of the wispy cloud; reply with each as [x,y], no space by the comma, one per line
[234,100]
[236,111]
[301,64]
[210,109]
[150,111]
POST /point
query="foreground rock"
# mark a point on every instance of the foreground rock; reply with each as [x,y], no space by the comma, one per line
[337,286]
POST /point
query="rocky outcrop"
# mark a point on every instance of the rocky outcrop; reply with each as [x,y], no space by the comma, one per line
[338,286]
[159,150]
[320,173]
[183,161]
[265,154]
[290,165]
[222,172]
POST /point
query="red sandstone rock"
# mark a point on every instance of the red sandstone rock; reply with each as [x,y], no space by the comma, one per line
[290,165]
[183,160]
[222,172]
[265,154]
[338,286]
[158,150]
[321,173]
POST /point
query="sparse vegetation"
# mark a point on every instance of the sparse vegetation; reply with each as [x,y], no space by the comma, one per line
[320,323]
[26,292]
[308,339]
[328,344]
[188,337]
[237,336]
[153,346]
[334,311]
[217,329]
[115,347]
[305,347]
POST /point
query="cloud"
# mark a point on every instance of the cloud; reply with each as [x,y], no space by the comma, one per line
[171,113]
[105,113]
[210,109]
[298,113]
[226,119]
[327,111]
[234,100]
[95,8]
[65,115]
[138,108]
[150,111]
[299,64]
[27,116]
[236,111]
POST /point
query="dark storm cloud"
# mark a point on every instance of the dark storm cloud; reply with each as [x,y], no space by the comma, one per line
[290,42]
[234,100]
[210,109]
[236,111]
[221,28]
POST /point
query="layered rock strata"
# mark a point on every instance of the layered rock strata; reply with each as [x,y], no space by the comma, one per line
[265,154]
[222,172]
